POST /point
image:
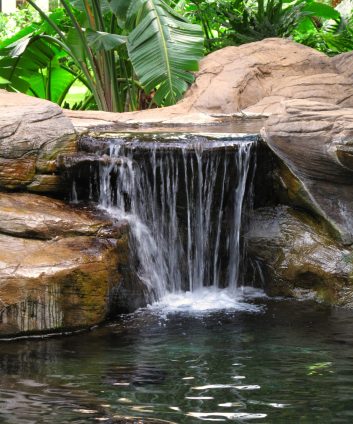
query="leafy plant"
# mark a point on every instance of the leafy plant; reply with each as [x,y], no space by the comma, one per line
[328,32]
[116,48]
[234,22]
[273,18]
[11,23]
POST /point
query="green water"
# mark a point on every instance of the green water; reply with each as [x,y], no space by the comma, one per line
[290,363]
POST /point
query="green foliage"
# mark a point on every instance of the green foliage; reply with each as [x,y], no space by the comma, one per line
[11,23]
[127,54]
[234,22]
[116,48]
[163,49]
[328,33]
[269,19]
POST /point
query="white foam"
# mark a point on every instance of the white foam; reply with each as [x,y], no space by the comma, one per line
[210,299]
[228,415]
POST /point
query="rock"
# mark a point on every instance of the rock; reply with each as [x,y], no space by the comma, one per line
[315,142]
[256,77]
[56,284]
[299,257]
[32,216]
[344,64]
[250,80]
[68,274]
[33,133]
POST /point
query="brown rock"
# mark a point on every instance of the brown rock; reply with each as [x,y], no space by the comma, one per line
[56,284]
[32,131]
[16,173]
[33,216]
[68,274]
[300,257]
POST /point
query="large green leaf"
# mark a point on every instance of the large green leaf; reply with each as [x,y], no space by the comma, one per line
[52,85]
[98,40]
[19,35]
[163,50]
[80,5]
[4,81]
[32,65]
[120,8]
[74,42]
[322,10]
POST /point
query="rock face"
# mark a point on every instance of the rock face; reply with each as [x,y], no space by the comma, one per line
[256,77]
[315,141]
[63,275]
[33,133]
[299,257]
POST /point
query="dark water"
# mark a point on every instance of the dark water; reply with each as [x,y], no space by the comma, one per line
[290,363]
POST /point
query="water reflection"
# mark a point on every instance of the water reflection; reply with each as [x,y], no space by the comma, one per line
[289,363]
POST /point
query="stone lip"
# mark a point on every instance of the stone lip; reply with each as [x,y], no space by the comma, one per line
[39,217]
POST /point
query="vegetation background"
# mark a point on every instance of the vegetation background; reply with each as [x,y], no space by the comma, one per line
[123,55]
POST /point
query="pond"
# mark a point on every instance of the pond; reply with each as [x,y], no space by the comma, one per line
[259,360]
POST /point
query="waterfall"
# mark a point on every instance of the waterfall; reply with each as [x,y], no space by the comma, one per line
[184,203]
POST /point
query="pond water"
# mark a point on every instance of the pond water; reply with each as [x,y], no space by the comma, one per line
[258,360]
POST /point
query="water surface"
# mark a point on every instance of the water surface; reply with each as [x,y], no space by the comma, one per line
[275,361]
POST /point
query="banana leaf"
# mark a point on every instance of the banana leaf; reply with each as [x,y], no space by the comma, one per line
[163,49]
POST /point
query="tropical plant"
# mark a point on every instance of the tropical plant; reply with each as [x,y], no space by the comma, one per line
[234,22]
[329,32]
[11,23]
[116,48]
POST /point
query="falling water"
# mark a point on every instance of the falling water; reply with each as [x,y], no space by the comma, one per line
[184,202]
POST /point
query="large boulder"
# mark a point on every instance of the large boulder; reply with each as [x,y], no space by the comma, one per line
[249,80]
[33,133]
[315,142]
[59,268]
[256,77]
[300,258]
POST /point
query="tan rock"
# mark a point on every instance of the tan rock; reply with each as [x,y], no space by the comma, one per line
[344,63]
[256,77]
[315,142]
[249,80]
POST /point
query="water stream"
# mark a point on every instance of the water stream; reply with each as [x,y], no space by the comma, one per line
[184,202]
